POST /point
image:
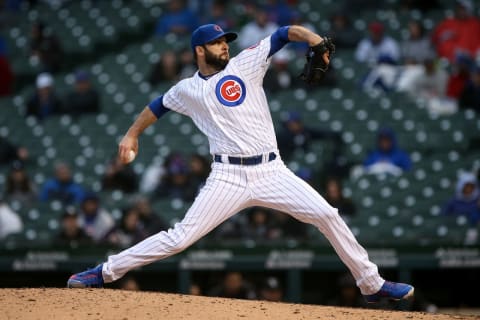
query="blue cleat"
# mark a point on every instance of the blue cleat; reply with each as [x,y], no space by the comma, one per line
[391,290]
[92,278]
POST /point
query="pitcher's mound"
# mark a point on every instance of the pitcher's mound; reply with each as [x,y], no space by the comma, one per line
[103,304]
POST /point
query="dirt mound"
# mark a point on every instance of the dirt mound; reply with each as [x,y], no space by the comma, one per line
[127,305]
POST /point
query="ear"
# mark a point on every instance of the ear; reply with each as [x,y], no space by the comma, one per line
[200,51]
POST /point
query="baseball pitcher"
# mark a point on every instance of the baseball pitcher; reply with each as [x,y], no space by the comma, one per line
[226,101]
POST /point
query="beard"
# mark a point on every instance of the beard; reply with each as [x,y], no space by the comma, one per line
[215,61]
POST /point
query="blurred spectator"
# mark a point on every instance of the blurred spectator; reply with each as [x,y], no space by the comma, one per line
[151,220]
[93,219]
[259,225]
[466,201]
[10,152]
[334,196]
[459,76]
[444,101]
[71,233]
[458,33]
[382,77]
[285,227]
[129,231]
[348,295]
[167,69]
[119,176]
[256,30]
[417,47]
[271,290]
[233,286]
[129,283]
[62,187]
[83,98]
[7,77]
[199,168]
[378,47]
[294,135]
[176,181]
[342,32]
[429,82]
[178,20]
[44,102]
[10,221]
[470,96]
[45,48]
[387,157]
[19,186]
[187,64]
[218,15]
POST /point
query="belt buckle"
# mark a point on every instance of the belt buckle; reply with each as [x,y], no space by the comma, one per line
[241,161]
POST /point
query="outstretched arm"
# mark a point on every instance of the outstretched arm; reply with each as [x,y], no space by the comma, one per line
[130,140]
[298,33]
[295,33]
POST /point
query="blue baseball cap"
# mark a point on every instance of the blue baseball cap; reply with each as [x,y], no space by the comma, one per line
[209,32]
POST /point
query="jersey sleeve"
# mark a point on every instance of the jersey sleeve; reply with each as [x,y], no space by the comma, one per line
[253,62]
[172,100]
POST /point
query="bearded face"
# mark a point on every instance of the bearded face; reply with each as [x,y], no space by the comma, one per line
[219,62]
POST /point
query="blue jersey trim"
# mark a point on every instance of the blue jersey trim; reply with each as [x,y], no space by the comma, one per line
[157,107]
[278,39]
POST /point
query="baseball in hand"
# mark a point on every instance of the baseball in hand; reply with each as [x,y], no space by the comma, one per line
[131,155]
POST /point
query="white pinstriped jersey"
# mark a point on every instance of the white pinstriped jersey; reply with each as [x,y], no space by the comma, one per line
[230,107]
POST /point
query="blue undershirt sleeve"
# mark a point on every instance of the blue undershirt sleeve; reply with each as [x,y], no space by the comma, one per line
[278,39]
[157,107]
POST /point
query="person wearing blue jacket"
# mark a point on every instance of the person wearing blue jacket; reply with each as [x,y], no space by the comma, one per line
[387,154]
[466,201]
[62,187]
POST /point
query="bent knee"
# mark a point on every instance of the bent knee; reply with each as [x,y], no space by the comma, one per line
[179,241]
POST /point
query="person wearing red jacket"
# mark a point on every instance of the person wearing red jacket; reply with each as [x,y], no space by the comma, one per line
[458,33]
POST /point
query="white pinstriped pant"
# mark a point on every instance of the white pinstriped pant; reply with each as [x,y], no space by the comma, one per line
[231,188]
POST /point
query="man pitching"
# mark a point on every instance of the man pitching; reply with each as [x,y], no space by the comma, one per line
[226,100]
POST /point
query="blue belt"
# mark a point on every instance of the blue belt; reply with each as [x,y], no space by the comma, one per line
[246,161]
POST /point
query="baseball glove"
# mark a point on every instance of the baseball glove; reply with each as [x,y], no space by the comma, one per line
[315,67]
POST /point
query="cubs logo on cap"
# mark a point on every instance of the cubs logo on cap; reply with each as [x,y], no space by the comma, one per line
[230,91]
[209,32]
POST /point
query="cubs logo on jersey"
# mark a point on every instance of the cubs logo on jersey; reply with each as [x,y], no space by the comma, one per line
[230,91]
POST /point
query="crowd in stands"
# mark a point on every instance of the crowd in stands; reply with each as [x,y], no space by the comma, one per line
[415,65]
[83,98]
[437,67]
[420,59]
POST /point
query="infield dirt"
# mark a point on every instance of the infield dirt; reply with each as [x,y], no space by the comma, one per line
[89,304]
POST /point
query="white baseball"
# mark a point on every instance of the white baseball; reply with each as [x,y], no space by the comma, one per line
[131,155]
